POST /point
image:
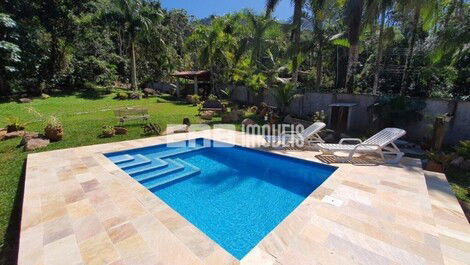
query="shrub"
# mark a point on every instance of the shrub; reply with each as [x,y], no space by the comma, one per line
[135,95]
[54,130]
[256,82]
[441,158]
[152,129]
[463,149]
[319,116]
[122,96]
[108,131]
[253,109]
[193,99]
[399,110]
[212,97]
[284,94]
[95,70]
[14,124]
[90,86]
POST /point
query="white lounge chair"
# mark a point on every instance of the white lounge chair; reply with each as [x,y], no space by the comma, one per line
[380,143]
[308,136]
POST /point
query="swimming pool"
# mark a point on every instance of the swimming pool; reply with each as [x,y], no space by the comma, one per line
[235,195]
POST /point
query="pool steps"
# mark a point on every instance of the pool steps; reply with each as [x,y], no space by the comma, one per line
[166,169]
[181,151]
[176,167]
[191,171]
[161,163]
[135,163]
[121,159]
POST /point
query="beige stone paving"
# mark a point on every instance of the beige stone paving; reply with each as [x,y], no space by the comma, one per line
[80,208]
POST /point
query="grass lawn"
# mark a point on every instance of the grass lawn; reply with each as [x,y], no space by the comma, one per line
[459,181]
[83,118]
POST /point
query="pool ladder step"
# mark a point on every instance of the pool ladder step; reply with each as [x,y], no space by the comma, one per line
[139,160]
[181,151]
[161,163]
[172,166]
[121,159]
[192,170]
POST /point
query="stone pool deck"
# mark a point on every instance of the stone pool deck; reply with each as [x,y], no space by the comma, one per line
[80,208]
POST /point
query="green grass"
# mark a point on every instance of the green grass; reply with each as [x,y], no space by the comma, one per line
[459,181]
[83,117]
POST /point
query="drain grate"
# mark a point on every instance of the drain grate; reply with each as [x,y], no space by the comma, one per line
[332,200]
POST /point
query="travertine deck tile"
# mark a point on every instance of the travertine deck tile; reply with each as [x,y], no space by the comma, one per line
[80,208]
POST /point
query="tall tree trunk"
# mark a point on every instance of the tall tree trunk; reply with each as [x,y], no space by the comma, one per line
[352,66]
[133,67]
[378,62]
[296,48]
[409,56]
[318,78]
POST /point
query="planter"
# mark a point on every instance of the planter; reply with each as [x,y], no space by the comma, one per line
[14,128]
[107,134]
[120,130]
[434,166]
[54,134]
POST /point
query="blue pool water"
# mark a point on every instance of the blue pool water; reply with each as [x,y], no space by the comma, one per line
[234,195]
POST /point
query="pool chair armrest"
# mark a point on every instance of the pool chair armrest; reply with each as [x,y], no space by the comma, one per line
[366,145]
[356,140]
[379,150]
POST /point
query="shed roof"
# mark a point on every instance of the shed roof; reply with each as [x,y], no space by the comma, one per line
[201,74]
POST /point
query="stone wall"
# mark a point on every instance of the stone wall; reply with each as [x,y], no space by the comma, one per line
[305,105]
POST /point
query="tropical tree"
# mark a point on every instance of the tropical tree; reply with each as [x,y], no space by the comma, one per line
[319,12]
[9,51]
[284,94]
[353,15]
[215,46]
[256,39]
[130,14]
[296,23]
[58,17]
[422,12]
[377,10]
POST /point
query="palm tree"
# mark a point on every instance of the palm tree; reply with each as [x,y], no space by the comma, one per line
[421,10]
[353,15]
[318,11]
[297,21]
[284,94]
[215,45]
[129,14]
[376,9]
[256,40]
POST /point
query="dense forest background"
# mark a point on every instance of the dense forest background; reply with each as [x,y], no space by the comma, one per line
[411,47]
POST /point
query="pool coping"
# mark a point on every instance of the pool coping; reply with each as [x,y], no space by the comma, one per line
[66,207]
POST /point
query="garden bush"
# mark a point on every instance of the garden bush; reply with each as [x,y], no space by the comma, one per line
[463,149]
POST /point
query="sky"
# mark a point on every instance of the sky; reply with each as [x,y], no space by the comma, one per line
[205,8]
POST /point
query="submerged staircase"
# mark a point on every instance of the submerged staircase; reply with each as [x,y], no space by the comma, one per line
[154,172]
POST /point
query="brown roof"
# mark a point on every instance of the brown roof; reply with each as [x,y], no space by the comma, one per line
[202,74]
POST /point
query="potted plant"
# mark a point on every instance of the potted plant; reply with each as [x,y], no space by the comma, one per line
[212,102]
[108,131]
[54,130]
[438,161]
[14,124]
